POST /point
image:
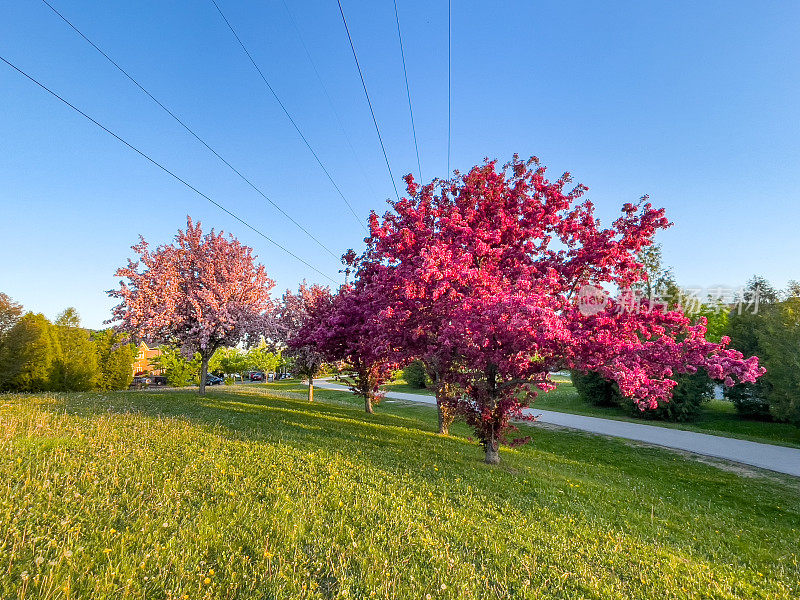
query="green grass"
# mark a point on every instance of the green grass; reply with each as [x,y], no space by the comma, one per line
[718,417]
[253,493]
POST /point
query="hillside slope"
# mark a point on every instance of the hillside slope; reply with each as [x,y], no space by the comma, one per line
[247,494]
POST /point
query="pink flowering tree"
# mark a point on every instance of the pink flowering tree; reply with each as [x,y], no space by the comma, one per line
[293,313]
[486,270]
[349,331]
[200,293]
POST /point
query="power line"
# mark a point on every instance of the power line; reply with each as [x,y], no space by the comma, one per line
[288,115]
[327,95]
[408,90]
[448,88]
[190,130]
[364,85]
[165,169]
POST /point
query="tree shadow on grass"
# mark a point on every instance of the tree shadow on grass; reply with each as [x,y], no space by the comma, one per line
[262,416]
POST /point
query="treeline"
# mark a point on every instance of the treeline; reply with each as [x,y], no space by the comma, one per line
[763,322]
[37,355]
[181,371]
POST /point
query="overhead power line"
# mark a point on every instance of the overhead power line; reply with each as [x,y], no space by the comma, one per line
[448,88]
[408,90]
[191,131]
[327,95]
[165,169]
[366,93]
[288,115]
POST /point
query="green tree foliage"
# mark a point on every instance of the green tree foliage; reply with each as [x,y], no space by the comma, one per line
[717,315]
[75,368]
[261,358]
[178,370]
[29,352]
[10,313]
[660,280]
[227,361]
[779,341]
[115,357]
[415,374]
[746,329]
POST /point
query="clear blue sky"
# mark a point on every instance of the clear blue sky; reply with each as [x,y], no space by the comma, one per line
[696,104]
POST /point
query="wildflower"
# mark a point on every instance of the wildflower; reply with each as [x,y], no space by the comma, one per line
[211,572]
[206,581]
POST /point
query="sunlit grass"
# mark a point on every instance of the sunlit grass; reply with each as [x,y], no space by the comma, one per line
[254,493]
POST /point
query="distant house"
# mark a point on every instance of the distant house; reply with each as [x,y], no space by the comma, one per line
[145,354]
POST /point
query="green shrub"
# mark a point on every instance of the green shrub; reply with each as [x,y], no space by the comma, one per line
[229,380]
[595,389]
[685,405]
[751,399]
[415,375]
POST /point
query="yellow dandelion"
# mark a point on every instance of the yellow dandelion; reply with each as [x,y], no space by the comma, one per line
[206,581]
[211,572]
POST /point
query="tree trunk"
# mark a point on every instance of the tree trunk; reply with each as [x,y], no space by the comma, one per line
[491,443]
[444,418]
[203,374]
[310,388]
[492,453]
[368,404]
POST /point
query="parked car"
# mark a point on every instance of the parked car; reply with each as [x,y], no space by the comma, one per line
[213,380]
[140,381]
[284,376]
[256,376]
[159,380]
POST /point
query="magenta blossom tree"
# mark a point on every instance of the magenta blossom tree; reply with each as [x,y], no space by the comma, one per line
[294,312]
[349,331]
[200,293]
[486,270]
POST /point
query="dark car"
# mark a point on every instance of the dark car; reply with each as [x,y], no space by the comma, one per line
[140,382]
[159,380]
[213,380]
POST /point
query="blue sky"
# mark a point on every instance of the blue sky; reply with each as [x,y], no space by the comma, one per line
[696,104]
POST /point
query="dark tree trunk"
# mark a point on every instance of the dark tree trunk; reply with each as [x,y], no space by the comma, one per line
[491,444]
[310,388]
[492,447]
[203,374]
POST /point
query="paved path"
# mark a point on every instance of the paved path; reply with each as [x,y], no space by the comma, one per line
[775,458]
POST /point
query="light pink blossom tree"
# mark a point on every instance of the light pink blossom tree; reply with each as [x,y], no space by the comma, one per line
[200,293]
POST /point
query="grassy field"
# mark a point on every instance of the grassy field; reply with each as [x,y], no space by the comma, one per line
[718,417]
[253,493]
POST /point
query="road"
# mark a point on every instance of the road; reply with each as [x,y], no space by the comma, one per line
[775,458]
